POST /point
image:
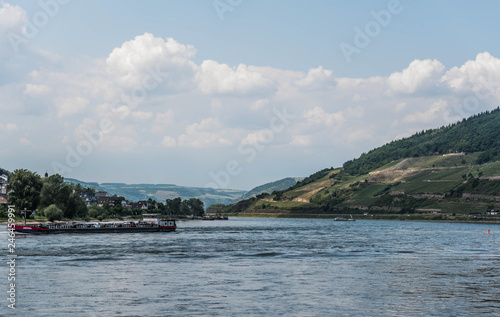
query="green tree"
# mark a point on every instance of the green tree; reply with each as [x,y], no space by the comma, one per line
[185,208]
[196,207]
[97,212]
[76,206]
[53,213]
[173,206]
[54,191]
[25,186]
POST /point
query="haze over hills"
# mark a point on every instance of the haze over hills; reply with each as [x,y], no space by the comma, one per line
[161,192]
[453,170]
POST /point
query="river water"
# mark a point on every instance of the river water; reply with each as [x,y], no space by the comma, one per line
[262,267]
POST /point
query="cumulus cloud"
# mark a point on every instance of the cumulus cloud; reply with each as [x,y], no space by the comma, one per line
[318,116]
[418,75]
[168,141]
[208,132]
[148,61]
[36,90]
[435,111]
[12,18]
[162,121]
[316,78]
[142,115]
[70,106]
[216,78]
[481,76]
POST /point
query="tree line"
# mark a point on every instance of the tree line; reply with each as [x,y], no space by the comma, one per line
[53,198]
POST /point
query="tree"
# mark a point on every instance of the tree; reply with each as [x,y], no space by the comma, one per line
[173,206]
[53,213]
[196,207]
[75,207]
[97,212]
[54,191]
[25,187]
[185,208]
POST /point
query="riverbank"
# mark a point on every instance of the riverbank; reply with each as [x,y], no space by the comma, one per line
[453,219]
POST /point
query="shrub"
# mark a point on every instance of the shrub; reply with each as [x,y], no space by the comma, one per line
[53,213]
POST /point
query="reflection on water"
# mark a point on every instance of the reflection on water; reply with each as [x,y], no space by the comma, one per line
[254,267]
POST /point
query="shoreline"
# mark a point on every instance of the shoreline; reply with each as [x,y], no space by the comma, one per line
[288,216]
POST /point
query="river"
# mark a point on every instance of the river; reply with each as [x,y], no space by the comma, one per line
[261,267]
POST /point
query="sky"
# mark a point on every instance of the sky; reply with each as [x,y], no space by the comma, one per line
[233,93]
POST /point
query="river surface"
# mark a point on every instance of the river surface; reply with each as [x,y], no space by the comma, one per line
[261,267]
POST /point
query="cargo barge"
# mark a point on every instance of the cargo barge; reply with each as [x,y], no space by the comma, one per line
[150,225]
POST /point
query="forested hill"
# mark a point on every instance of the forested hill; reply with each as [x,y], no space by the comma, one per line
[268,188]
[479,133]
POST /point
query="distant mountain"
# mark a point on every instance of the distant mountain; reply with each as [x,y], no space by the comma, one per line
[268,188]
[453,171]
[161,192]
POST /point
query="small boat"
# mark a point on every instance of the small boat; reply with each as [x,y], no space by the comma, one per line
[344,219]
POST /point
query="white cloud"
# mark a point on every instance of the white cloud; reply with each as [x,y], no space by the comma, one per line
[163,121]
[481,76]
[142,115]
[400,106]
[24,141]
[168,141]
[316,78]
[208,132]
[259,104]
[216,78]
[36,90]
[148,61]
[318,116]
[70,106]
[9,127]
[12,18]
[431,114]
[419,74]
[300,140]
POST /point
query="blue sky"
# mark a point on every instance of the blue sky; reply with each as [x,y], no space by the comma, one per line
[262,93]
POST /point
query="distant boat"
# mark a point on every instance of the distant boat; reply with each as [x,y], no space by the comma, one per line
[344,219]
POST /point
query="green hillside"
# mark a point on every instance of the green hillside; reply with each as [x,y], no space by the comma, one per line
[479,133]
[447,173]
[268,188]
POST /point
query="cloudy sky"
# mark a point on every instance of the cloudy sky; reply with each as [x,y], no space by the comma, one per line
[233,93]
